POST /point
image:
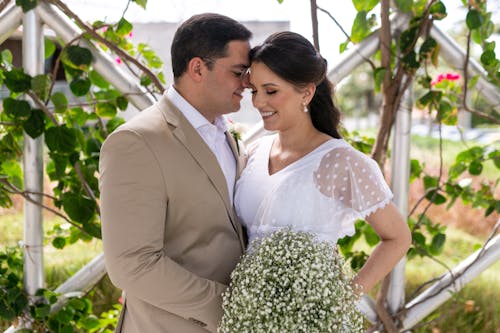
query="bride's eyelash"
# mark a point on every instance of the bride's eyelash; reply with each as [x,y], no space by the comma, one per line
[272,92]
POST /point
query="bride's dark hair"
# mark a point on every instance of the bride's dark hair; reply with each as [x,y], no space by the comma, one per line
[294,59]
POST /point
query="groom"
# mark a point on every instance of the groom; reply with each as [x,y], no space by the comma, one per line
[170,234]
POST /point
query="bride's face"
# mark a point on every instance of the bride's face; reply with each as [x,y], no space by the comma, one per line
[278,101]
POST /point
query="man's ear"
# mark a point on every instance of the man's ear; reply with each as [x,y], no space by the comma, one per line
[195,68]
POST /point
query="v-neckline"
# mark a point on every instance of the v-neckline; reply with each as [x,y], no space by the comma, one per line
[270,147]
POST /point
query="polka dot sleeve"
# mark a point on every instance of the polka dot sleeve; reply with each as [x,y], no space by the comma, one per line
[354,180]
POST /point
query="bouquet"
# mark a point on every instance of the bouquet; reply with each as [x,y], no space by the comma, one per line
[290,282]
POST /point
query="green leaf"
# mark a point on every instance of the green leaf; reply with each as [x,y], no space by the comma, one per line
[40,85]
[123,27]
[98,80]
[114,123]
[59,242]
[107,110]
[79,208]
[61,139]
[447,113]
[26,5]
[16,109]
[49,47]
[92,147]
[407,38]
[122,103]
[13,169]
[6,57]
[433,96]
[410,62]
[404,5]
[427,48]
[90,322]
[364,5]
[435,197]
[474,19]
[360,27]
[475,168]
[438,10]
[17,81]
[488,58]
[343,46]
[437,244]
[60,102]
[415,170]
[143,3]
[77,57]
[456,170]
[378,77]
[418,238]
[35,125]
[42,311]
[79,86]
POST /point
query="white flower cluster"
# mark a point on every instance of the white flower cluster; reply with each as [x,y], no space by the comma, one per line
[290,282]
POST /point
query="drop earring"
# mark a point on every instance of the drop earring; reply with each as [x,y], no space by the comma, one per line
[304,107]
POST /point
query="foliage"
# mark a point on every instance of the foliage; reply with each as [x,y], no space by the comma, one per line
[75,315]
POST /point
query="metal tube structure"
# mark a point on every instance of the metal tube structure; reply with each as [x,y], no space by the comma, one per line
[33,61]
[82,281]
[102,62]
[429,300]
[455,56]
[400,187]
[10,19]
[362,51]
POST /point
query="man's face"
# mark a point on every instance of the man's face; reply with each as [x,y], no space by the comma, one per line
[223,86]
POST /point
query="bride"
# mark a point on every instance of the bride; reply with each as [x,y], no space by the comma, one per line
[306,176]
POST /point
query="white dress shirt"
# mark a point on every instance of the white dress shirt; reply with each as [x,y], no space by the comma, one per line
[213,135]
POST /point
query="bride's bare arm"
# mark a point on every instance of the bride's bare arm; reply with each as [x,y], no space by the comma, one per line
[395,238]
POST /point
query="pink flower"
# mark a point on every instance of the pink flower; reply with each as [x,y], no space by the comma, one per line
[130,34]
[118,60]
[120,300]
[445,76]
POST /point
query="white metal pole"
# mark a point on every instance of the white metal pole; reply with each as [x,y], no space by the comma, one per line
[33,57]
[10,19]
[429,300]
[102,62]
[400,175]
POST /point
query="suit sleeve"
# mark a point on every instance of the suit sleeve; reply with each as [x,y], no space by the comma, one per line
[133,210]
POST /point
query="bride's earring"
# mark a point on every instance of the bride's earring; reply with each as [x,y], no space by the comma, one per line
[304,107]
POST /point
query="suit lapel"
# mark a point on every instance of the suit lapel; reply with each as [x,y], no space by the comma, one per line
[199,150]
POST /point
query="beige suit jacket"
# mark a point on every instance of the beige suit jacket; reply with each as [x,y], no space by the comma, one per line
[170,234]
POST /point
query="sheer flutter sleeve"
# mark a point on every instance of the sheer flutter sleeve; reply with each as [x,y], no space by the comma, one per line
[355,182]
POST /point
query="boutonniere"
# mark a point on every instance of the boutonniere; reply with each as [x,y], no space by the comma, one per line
[235,133]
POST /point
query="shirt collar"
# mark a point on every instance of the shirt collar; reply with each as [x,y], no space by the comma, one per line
[195,118]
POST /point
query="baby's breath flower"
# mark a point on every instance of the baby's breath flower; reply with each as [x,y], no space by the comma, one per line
[290,282]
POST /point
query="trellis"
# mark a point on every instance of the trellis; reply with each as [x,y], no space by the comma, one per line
[33,58]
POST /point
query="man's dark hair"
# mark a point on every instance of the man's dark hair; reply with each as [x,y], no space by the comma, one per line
[205,36]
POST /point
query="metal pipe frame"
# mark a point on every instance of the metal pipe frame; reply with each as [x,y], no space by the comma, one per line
[455,56]
[102,62]
[422,305]
[33,63]
[400,187]
[362,51]
[10,19]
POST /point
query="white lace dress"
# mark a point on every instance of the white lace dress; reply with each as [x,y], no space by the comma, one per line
[324,192]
